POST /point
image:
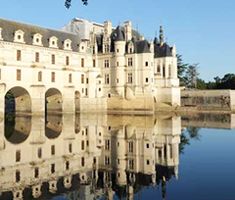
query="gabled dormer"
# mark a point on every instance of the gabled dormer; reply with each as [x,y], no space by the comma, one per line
[130,47]
[53,42]
[19,36]
[82,46]
[67,44]
[37,39]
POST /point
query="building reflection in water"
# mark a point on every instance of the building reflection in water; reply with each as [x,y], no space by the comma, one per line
[87,156]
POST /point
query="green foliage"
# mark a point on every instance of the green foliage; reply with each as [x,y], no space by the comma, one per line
[181,66]
[227,82]
[68,3]
[191,76]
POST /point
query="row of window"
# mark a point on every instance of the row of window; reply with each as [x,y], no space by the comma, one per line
[129,63]
[53,58]
[129,79]
[53,76]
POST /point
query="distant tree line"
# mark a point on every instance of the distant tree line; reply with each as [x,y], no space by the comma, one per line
[189,77]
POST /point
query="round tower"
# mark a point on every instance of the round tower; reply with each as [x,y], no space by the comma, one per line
[119,73]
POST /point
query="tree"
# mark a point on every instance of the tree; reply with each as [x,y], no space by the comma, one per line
[181,66]
[191,76]
[67,3]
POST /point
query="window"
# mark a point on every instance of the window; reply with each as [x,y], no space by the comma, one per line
[94,63]
[40,76]
[82,78]
[70,78]
[146,80]
[37,39]
[82,62]
[39,152]
[36,172]
[53,59]
[17,176]
[37,57]
[147,145]
[146,64]
[83,145]
[18,156]
[129,78]
[19,36]
[67,165]
[106,78]
[18,74]
[53,42]
[130,147]
[117,50]
[106,160]
[67,44]
[87,80]
[67,60]
[164,71]
[147,162]
[52,168]
[158,69]
[18,55]
[107,144]
[117,64]
[129,63]
[86,91]
[131,164]
[106,63]
[83,161]
[52,149]
[106,48]
[70,148]
[52,76]
[87,143]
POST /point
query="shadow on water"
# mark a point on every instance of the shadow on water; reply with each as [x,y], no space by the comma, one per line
[17,128]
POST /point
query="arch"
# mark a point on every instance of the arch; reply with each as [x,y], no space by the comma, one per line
[17,99]
[17,128]
[53,101]
[77,96]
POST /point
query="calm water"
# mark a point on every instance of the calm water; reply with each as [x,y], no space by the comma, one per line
[117,157]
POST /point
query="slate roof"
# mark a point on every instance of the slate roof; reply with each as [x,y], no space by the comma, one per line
[9,28]
[163,50]
[118,34]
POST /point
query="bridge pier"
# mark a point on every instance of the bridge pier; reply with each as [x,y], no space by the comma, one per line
[38,100]
[69,100]
[2,100]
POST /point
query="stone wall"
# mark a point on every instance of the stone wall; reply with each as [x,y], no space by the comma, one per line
[209,99]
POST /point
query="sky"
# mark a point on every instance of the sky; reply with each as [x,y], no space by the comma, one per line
[202,30]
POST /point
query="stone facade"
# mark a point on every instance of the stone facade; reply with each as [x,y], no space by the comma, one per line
[85,67]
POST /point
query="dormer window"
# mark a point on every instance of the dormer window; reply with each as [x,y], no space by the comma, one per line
[82,47]
[1,34]
[37,39]
[67,44]
[53,42]
[130,48]
[19,36]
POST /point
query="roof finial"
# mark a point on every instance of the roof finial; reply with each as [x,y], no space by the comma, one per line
[161,36]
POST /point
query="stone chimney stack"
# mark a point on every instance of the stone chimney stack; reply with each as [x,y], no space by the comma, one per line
[128,30]
[107,28]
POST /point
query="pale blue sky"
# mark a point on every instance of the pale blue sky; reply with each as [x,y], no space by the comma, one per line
[203,30]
